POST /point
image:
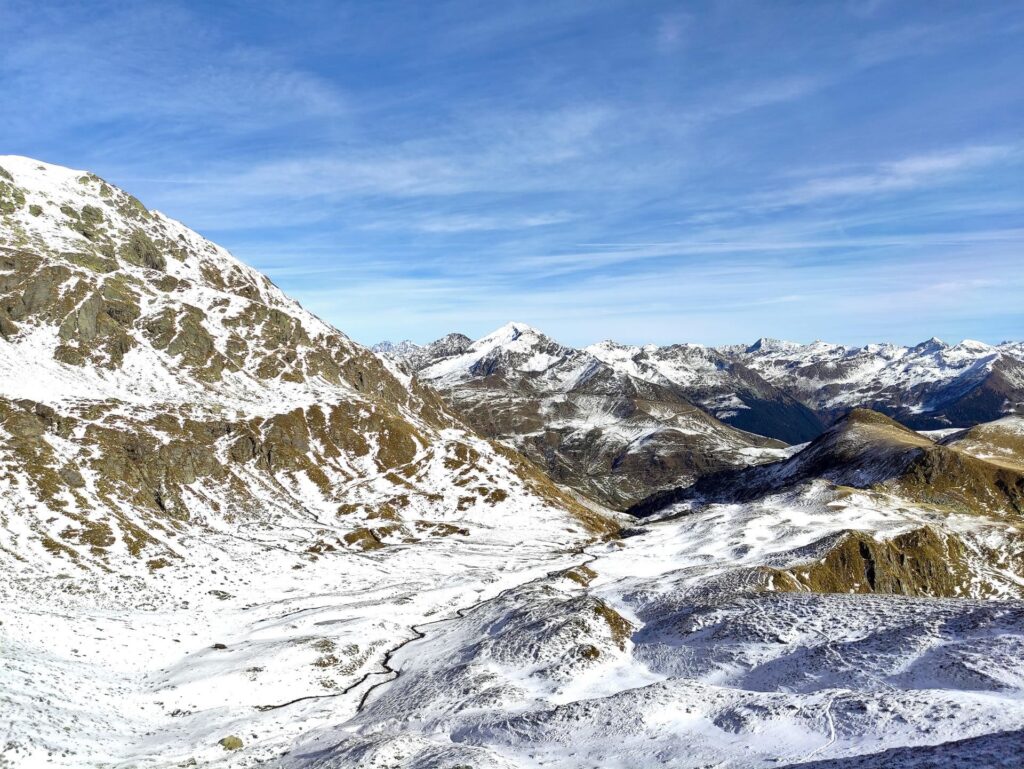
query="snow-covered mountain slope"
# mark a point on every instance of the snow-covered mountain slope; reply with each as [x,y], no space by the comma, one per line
[929,386]
[151,377]
[867,450]
[412,357]
[211,502]
[816,624]
[724,388]
[1000,442]
[611,435]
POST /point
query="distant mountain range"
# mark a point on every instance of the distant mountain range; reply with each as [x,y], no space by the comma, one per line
[930,386]
[640,403]
[792,391]
[593,424]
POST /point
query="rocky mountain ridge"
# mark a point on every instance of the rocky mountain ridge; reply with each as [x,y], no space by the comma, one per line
[725,388]
[605,432]
[932,385]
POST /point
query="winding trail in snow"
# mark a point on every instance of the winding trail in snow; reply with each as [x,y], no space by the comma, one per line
[419,632]
[421,629]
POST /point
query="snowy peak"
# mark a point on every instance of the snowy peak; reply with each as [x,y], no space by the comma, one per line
[142,308]
[932,345]
[510,333]
[621,356]
[768,344]
[973,345]
[60,209]
[413,357]
[521,341]
[515,349]
[449,344]
[396,350]
[601,420]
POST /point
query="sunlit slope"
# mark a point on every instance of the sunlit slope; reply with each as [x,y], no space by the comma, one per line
[217,513]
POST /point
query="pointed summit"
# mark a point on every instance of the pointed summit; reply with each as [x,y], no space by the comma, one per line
[396,350]
[769,344]
[420,357]
[509,333]
[973,345]
[930,346]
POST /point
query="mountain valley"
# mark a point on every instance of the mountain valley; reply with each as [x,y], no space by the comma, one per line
[231,536]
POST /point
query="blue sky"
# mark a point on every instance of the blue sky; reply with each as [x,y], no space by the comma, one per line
[650,172]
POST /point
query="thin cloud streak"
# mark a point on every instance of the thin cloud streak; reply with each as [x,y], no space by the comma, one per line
[899,175]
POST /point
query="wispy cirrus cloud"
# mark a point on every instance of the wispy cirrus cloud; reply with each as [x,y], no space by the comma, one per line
[930,36]
[724,243]
[158,68]
[672,29]
[716,303]
[898,175]
[454,223]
